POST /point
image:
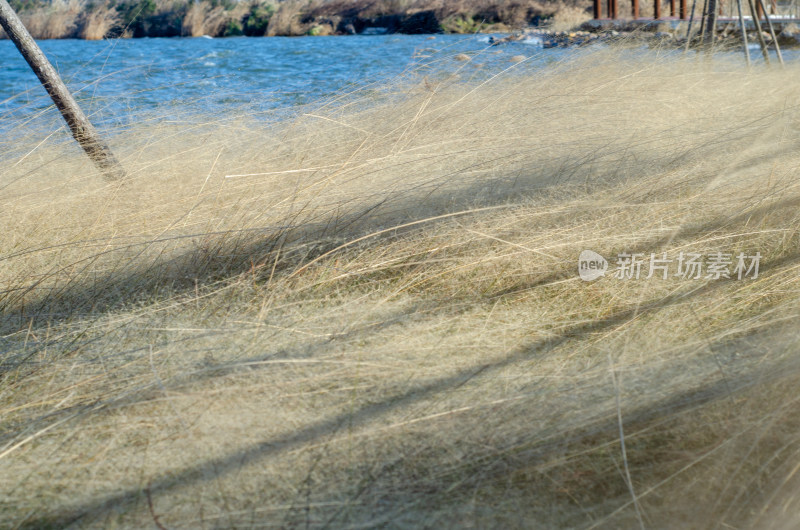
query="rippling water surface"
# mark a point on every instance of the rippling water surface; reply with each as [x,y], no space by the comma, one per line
[113,78]
[121,80]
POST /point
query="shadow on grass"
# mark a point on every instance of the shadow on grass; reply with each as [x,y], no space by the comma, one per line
[222,466]
[221,256]
[306,235]
[206,258]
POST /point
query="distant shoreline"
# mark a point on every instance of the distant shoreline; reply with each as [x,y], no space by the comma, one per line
[85,19]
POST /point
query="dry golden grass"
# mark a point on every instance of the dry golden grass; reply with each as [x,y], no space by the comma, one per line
[59,19]
[99,22]
[203,19]
[286,20]
[568,18]
[371,315]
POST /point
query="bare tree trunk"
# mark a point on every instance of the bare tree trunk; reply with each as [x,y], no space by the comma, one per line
[82,129]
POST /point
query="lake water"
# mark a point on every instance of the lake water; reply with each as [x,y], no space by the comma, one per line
[117,81]
[114,78]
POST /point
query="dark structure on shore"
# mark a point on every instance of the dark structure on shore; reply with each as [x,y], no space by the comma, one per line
[675,12]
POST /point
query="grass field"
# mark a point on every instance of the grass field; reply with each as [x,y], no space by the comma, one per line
[371,315]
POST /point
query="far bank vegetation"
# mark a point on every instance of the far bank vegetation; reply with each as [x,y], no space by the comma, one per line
[95,19]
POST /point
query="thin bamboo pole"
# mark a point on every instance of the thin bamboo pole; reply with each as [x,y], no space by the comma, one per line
[703,22]
[711,23]
[772,32]
[689,28]
[744,32]
[82,129]
[757,23]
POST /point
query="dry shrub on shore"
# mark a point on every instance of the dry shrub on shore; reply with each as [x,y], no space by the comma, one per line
[99,22]
[57,20]
[371,314]
[204,19]
[568,18]
[287,18]
[515,14]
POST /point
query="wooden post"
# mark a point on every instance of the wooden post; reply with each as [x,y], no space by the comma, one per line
[615,9]
[682,9]
[82,129]
[598,9]
[635,9]
[759,11]
[656,9]
[672,8]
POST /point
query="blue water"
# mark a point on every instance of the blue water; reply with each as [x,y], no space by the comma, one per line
[114,79]
[119,81]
